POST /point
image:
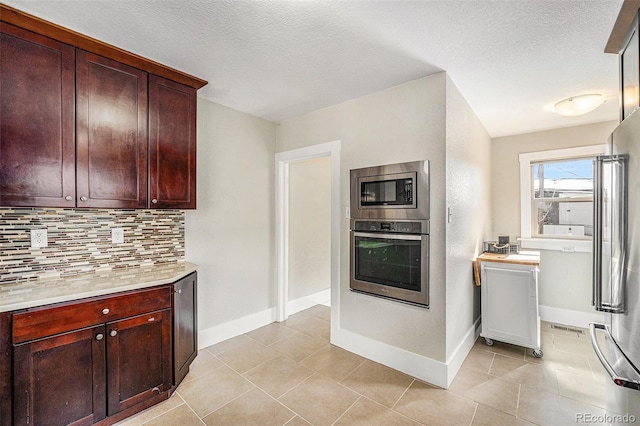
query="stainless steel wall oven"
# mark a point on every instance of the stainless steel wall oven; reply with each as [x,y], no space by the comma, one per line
[390,232]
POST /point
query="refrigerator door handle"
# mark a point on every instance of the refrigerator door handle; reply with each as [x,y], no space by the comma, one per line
[617,378]
[610,206]
[596,300]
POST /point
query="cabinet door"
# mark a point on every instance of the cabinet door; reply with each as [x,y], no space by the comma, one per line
[509,303]
[111,133]
[60,380]
[139,359]
[6,373]
[185,326]
[172,144]
[37,90]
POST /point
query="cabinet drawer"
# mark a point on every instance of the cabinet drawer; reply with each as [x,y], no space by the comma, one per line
[59,318]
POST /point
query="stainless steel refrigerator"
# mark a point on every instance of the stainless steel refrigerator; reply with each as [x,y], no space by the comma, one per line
[616,266]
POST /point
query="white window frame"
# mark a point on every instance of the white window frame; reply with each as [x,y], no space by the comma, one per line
[526,195]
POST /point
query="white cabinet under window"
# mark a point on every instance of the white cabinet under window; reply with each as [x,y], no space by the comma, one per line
[509,293]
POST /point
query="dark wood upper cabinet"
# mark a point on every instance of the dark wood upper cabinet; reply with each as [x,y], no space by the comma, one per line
[172,144]
[37,147]
[111,133]
[86,124]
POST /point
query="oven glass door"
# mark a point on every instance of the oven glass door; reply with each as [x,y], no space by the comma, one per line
[391,265]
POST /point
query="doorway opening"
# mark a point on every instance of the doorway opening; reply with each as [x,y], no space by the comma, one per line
[286,163]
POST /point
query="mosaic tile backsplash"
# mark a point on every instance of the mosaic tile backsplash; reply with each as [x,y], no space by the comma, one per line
[79,241]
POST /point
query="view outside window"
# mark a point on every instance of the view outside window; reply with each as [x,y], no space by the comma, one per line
[563,198]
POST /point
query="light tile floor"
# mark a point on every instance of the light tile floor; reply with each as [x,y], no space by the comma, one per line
[289,374]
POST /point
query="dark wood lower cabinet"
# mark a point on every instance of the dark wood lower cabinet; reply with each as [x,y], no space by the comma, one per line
[59,380]
[6,370]
[138,359]
[185,326]
[101,373]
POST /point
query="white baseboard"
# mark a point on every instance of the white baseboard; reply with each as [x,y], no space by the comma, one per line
[423,368]
[418,366]
[218,333]
[569,317]
[460,353]
[320,298]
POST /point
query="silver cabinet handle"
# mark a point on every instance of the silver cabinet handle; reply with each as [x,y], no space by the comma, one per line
[83,198]
[113,333]
[99,336]
[68,198]
[105,311]
[155,390]
[154,201]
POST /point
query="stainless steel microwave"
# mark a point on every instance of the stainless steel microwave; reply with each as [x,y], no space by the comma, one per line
[393,191]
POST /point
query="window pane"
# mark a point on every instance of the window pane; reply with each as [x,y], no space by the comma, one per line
[562,198]
[563,179]
[563,218]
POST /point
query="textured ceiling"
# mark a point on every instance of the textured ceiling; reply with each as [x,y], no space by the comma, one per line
[279,59]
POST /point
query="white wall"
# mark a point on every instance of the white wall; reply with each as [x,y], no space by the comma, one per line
[231,234]
[309,227]
[404,123]
[565,278]
[468,154]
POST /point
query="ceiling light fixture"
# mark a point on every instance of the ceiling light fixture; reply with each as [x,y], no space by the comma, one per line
[578,105]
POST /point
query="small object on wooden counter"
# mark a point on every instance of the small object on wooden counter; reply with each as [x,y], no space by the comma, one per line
[498,247]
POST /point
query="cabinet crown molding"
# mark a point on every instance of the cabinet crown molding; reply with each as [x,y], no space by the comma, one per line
[40,26]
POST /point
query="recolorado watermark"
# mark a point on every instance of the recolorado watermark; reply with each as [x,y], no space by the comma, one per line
[605,418]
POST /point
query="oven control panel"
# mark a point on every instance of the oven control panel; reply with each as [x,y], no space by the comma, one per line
[402,227]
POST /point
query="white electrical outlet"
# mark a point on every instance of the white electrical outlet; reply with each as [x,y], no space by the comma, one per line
[39,238]
[117,235]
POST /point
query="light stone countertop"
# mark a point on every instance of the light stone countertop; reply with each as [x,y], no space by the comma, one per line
[62,289]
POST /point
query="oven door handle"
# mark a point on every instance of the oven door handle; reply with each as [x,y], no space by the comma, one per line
[414,237]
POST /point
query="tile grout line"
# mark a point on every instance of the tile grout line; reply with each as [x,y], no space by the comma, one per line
[491,364]
[475,411]
[226,403]
[184,402]
[393,407]
[518,400]
[348,408]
